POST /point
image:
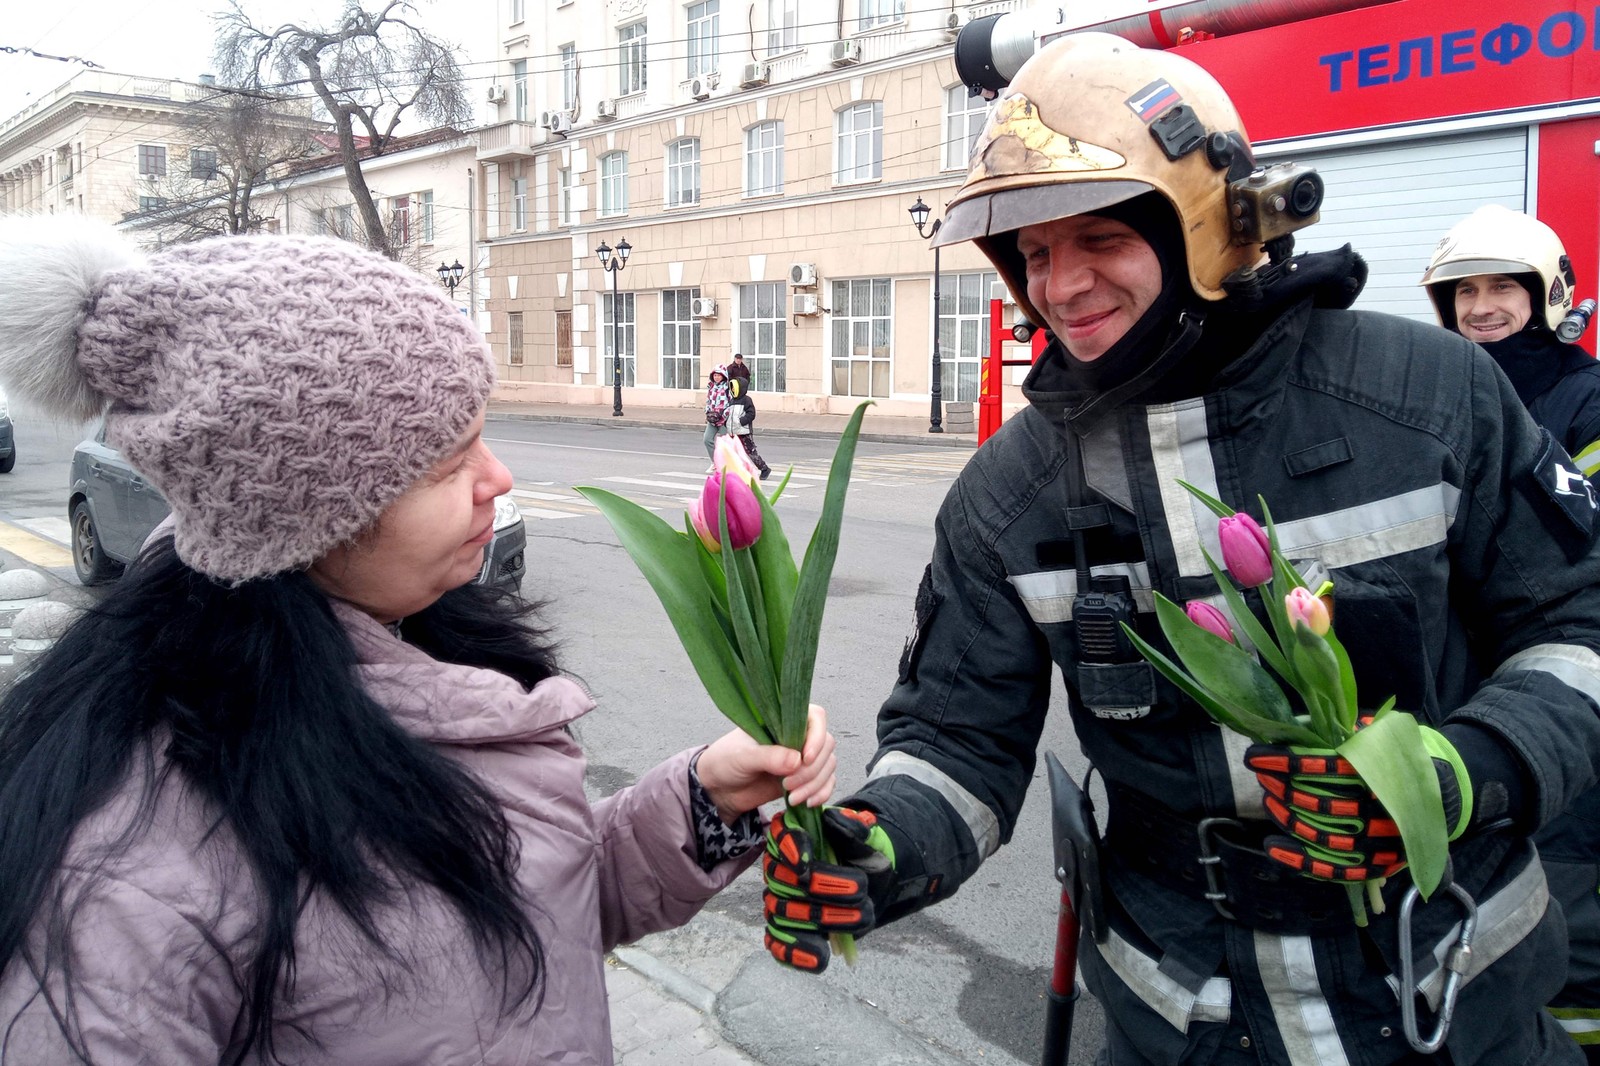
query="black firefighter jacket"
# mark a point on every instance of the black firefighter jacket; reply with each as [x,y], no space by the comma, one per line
[1461,545]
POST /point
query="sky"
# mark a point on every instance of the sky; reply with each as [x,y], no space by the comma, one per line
[174,38]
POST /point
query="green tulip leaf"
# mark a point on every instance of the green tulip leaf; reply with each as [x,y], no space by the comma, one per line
[1226,670]
[749,623]
[1216,506]
[1244,618]
[805,627]
[778,577]
[1390,757]
[666,558]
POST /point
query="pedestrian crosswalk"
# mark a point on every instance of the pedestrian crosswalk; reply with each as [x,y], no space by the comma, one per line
[671,490]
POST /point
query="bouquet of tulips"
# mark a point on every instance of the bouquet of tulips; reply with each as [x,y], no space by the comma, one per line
[1298,646]
[748,618]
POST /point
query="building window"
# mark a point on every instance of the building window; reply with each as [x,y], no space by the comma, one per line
[425,214]
[151,203]
[877,12]
[564,338]
[963,332]
[623,333]
[63,170]
[631,67]
[491,199]
[858,145]
[614,184]
[763,159]
[519,204]
[683,172]
[344,221]
[400,220]
[518,12]
[569,76]
[514,338]
[859,316]
[704,26]
[152,161]
[202,164]
[564,196]
[783,25]
[964,116]
[680,339]
[762,320]
[519,89]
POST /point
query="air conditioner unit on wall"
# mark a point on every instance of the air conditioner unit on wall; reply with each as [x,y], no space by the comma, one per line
[844,53]
[497,94]
[544,119]
[953,22]
[755,74]
[803,275]
[703,307]
[605,108]
[700,88]
[805,303]
[560,122]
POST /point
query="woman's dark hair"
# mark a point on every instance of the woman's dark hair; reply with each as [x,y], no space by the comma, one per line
[256,692]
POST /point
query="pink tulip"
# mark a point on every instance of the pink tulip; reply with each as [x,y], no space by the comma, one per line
[744,513]
[1209,619]
[730,457]
[1246,551]
[1307,610]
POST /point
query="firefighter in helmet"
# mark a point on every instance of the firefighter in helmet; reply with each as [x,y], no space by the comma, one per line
[1503,279]
[1114,190]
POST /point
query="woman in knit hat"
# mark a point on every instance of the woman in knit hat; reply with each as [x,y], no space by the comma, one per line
[297,790]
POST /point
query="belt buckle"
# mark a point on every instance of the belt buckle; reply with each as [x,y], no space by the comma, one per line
[1211,863]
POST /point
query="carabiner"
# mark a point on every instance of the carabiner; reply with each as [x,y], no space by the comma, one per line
[1457,961]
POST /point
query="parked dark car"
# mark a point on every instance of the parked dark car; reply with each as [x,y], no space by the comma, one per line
[113,509]
[8,439]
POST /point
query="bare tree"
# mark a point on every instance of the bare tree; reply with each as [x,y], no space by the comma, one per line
[369,70]
[237,141]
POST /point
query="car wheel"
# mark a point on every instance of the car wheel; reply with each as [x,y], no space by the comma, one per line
[7,463]
[88,557]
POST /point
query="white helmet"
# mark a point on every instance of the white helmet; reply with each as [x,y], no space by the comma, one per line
[1497,240]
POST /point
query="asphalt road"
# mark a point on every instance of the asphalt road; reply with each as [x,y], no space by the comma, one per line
[962,982]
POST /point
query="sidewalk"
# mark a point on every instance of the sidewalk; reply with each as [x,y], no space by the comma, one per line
[885,429]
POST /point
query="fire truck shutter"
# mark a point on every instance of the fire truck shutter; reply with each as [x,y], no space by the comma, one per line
[1393,202]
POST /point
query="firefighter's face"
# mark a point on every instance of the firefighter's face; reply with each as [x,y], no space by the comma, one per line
[1091,278]
[1491,307]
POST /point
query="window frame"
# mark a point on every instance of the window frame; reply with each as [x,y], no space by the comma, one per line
[564,186]
[519,203]
[207,172]
[682,172]
[763,157]
[871,135]
[614,186]
[515,339]
[680,369]
[952,322]
[971,117]
[425,215]
[628,327]
[151,160]
[569,76]
[768,359]
[871,13]
[783,26]
[633,69]
[704,36]
[519,90]
[855,325]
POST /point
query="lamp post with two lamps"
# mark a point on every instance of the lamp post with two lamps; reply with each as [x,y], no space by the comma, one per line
[450,276]
[919,212]
[613,263]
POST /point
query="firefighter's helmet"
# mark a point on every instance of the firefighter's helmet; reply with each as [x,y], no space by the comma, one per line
[1091,120]
[1498,240]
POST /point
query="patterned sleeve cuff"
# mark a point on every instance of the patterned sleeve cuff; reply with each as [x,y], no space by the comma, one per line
[717,841]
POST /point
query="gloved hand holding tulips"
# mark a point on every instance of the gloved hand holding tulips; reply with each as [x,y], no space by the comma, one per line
[747,616]
[1358,794]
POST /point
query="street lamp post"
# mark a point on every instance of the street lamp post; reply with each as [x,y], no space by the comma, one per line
[613,264]
[919,217]
[450,276]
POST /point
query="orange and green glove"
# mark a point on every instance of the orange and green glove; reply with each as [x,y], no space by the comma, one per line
[806,900]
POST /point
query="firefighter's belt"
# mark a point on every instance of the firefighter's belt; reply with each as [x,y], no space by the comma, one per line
[1220,860]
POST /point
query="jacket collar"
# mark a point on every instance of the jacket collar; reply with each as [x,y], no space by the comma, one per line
[445,703]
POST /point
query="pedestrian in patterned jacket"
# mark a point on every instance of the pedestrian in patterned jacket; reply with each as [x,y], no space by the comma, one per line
[716,411]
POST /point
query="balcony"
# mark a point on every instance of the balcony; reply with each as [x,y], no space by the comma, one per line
[510,140]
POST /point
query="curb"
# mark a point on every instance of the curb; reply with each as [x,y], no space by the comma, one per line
[931,440]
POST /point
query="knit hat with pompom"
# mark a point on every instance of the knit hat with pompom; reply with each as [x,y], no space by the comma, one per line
[280,392]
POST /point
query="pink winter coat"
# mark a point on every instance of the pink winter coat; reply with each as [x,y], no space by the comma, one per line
[165,929]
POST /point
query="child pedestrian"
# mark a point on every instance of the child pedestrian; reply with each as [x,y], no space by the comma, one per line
[741,418]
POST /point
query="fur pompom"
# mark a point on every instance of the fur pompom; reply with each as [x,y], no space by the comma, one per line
[52,266]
